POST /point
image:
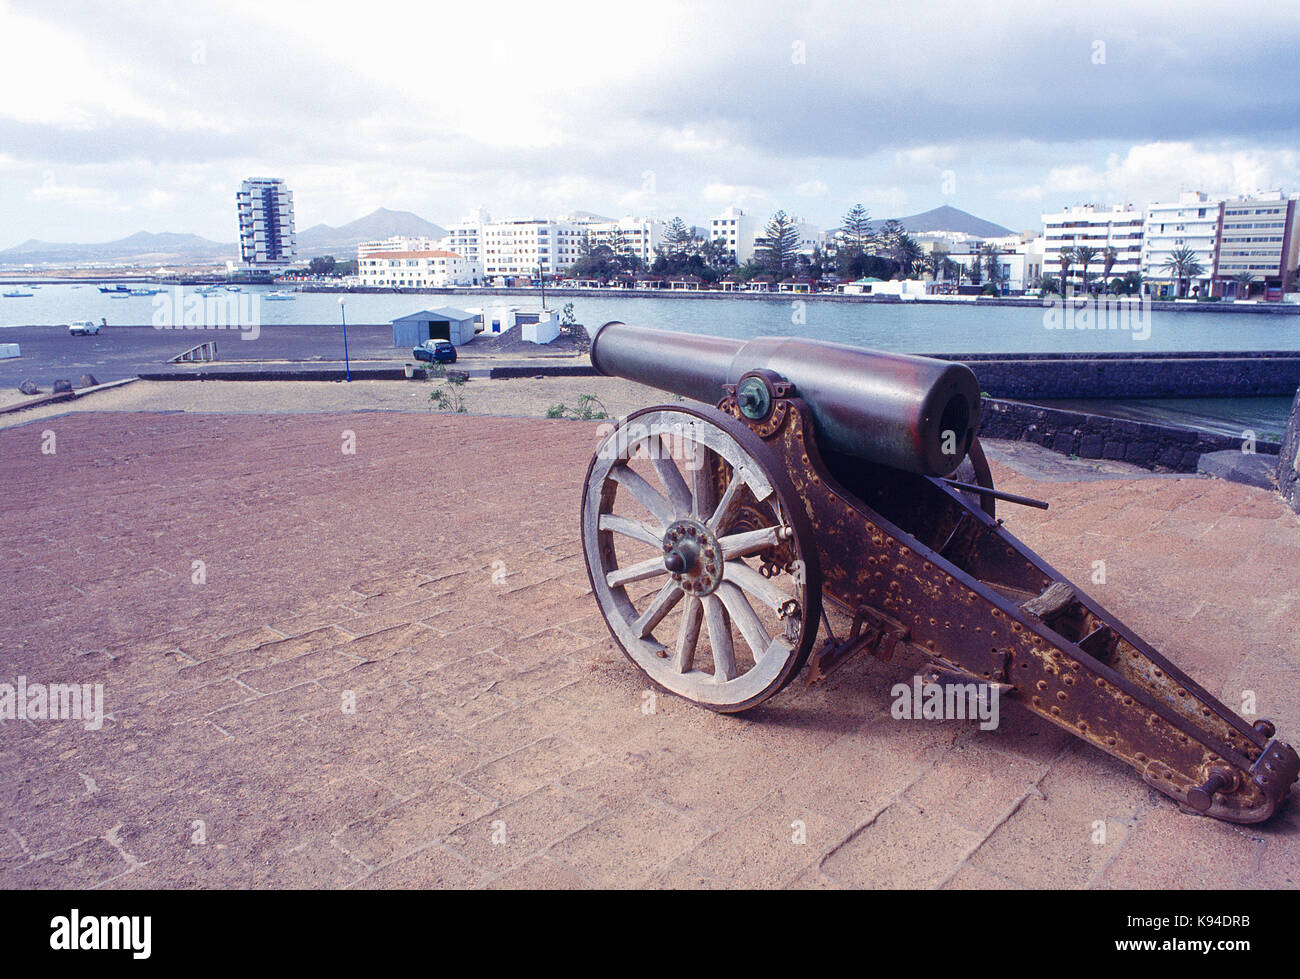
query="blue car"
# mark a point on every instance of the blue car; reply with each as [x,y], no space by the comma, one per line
[435,352]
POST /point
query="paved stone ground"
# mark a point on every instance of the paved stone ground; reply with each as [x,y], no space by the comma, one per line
[393,666]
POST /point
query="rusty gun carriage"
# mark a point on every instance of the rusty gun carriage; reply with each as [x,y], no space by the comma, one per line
[712,532]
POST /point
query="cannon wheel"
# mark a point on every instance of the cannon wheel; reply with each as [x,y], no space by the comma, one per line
[701,556]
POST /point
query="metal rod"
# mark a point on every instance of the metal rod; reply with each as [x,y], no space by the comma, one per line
[997,494]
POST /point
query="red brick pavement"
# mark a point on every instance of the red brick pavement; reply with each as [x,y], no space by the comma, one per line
[392,676]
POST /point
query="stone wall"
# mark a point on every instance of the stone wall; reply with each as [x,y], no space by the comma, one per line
[1099,437]
[1198,375]
[1288,466]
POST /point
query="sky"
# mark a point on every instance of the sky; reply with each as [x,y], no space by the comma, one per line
[130,116]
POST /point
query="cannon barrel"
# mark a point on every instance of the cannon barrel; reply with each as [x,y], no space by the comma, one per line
[912,413]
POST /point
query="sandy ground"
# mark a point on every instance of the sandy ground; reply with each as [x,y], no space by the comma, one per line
[391,673]
[524,396]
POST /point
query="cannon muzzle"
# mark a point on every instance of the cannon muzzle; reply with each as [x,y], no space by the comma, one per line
[912,413]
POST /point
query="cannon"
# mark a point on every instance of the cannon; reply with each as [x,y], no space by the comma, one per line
[801,472]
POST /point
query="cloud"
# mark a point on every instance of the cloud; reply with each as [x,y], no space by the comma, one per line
[1159,170]
[51,191]
[812,188]
[728,194]
[527,110]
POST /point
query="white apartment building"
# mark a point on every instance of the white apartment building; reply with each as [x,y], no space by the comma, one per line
[810,236]
[1099,228]
[639,236]
[1190,222]
[517,249]
[397,243]
[267,239]
[1258,235]
[463,236]
[737,230]
[424,268]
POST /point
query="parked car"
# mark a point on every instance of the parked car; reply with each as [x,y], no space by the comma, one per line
[435,352]
[83,328]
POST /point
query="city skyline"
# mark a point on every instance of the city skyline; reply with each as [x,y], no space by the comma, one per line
[141,120]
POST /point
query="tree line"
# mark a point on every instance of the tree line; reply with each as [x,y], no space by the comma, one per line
[860,249]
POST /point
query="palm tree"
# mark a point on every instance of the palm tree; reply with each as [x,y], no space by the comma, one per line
[1182,263]
[1243,283]
[1132,283]
[1084,254]
[1045,284]
[988,255]
[934,264]
[1065,259]
[906,252]
[1109,257]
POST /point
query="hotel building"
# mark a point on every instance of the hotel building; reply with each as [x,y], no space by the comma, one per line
[639,236]
[1257,235]
[737,230]
[267,241]
[517,249]
[1120,227]
[1190,222]
[431,268]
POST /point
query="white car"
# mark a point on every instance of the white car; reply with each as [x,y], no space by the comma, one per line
[83,328]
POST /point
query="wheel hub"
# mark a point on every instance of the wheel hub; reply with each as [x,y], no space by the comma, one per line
[693,557]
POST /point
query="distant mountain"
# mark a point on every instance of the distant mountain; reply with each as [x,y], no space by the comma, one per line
[341,242]
[142,248]
[947,218]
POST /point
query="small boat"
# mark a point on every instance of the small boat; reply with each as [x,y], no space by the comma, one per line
[145,292]
[115,290]
[16,294]
[280,296]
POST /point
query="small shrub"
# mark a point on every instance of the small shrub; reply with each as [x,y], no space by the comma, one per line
[448,397]
[588,408]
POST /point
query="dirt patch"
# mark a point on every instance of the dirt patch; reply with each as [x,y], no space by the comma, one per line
[572,340]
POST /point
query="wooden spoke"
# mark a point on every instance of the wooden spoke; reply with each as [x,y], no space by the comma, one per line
[750,542]
[702,495]
[724,653]
[636,572]
[678,492]
[669,595]
[645,494]
[688,635]
[742,613]
[727,506]
[753,583]
[632,528]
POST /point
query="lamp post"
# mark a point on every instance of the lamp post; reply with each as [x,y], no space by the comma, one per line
[347,366]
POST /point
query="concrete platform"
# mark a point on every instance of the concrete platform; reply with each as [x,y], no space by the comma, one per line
[391,675]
